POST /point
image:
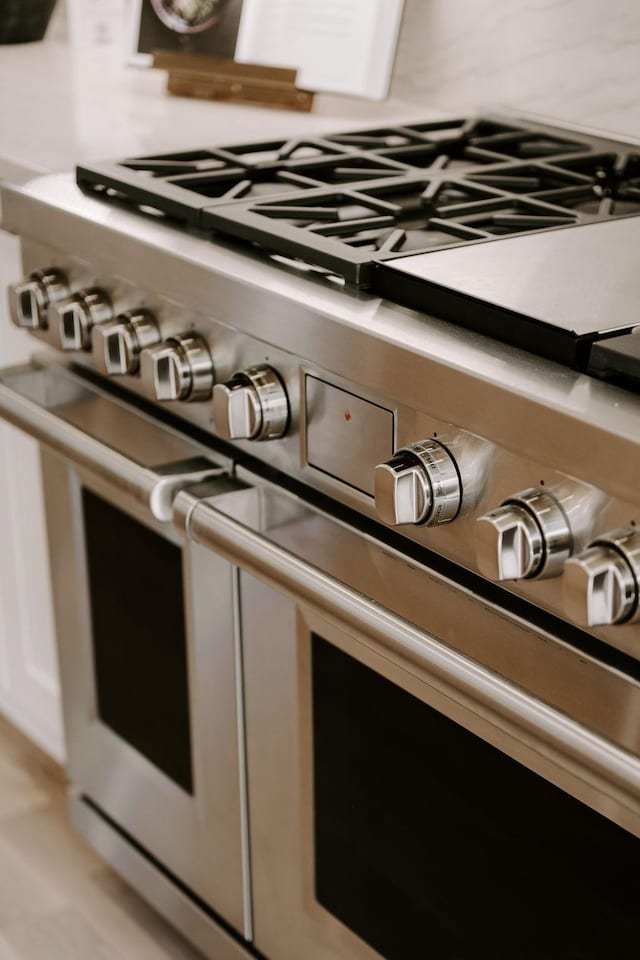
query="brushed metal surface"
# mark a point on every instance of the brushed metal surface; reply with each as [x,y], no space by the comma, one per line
[529,420]
[131,451]
[157,889]
[346,435]
[305,573]
[582,279]
[309,555]
[199,837]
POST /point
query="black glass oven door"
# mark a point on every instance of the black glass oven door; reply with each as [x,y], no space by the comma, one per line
[390,830]
[146,627]
[430,842]
[405,800]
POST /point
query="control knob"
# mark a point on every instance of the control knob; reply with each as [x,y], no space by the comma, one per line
[253,405]
[73,319]
[600,585]
[527,536]
[420,484]
[180,368]
[118,343]
[30,298]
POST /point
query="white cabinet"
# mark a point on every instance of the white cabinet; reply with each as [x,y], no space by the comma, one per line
[29,687]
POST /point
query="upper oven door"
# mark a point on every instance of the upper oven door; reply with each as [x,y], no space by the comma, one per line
[146,633]
[405,800]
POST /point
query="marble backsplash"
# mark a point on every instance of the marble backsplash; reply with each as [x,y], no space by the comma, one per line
[576,60]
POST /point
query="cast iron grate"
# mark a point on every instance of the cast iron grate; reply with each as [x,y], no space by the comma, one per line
[343,202]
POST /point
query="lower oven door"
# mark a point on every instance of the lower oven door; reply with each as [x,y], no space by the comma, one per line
[407,801]
[146,634]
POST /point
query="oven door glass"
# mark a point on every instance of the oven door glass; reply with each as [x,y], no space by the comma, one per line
[405,800]
[429,841]
[397,833]
[139,637]
[146,631]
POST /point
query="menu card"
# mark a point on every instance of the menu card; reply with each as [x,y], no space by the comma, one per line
[340,46]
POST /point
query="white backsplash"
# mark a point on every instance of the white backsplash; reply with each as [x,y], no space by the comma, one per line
[577,60]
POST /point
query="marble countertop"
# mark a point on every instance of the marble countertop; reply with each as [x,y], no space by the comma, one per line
[58,107]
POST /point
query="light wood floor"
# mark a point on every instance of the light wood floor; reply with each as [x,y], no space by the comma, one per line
[58,901]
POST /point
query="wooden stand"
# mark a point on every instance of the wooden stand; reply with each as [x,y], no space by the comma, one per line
[218,78]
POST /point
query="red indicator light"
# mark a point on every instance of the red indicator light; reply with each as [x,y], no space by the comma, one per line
[347,415]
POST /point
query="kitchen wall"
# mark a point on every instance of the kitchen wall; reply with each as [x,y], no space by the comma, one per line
[577,60]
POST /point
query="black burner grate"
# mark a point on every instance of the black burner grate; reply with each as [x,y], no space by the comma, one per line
[349,200]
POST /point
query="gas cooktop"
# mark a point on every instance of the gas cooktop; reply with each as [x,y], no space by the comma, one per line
[384,208]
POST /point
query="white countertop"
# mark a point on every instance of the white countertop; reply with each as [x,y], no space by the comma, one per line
[58,107]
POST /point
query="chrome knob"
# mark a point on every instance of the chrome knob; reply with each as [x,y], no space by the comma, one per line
[420,485]
[118,343]
[74,319]
[178,369]
[30,298]
[253,405]
[527,536]
[600,585]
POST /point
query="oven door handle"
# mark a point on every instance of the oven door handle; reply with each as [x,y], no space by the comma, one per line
[230,524]
[23,404]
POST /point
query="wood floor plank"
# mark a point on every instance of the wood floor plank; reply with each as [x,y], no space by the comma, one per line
[58,900]
[6,952]
[64,935]
[131,924]
[19,790]
[44,840]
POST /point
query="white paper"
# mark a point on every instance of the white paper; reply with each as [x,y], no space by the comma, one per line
[341,46]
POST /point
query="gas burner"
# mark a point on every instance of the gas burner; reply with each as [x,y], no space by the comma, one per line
[356,228]
[346,201]
[178,185]
[279,151]
[612,190]
[531,179]
[521,145]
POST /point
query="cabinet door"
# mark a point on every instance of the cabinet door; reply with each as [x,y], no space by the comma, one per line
[29,688]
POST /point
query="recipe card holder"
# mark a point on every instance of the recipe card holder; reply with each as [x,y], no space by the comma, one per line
[221,78]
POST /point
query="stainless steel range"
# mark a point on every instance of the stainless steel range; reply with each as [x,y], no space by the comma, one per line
[346,587]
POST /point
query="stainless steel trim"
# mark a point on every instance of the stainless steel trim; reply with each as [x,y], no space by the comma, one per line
[154,487]
[245,836]
[157,889]
[569,744]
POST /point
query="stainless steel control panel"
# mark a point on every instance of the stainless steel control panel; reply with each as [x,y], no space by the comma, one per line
[462,495]
[346,436]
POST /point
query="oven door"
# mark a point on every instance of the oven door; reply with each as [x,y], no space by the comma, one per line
[146,634]
[407,801]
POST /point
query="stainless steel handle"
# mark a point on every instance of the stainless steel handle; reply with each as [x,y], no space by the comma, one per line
[562,741]
[154,487]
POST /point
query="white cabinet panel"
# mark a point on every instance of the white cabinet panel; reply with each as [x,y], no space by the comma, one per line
[29,687]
